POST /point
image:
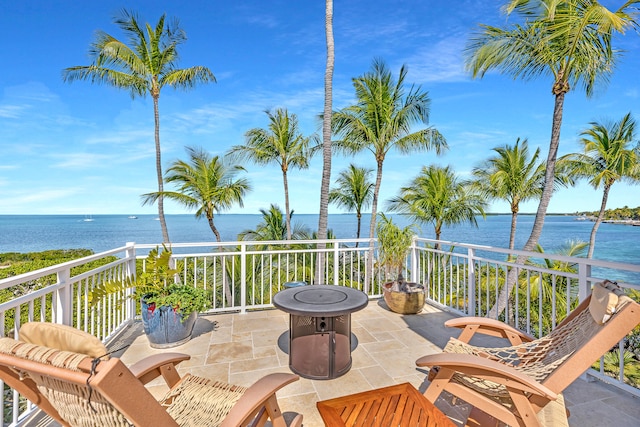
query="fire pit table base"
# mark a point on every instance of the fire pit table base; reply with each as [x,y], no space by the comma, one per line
[320,347]
[320,328]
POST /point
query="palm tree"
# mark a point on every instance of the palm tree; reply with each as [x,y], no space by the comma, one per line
[145,67]
[326,123]
[283,144]
[608,157]
[382,119]
[273,227]
[567,39]
[354,191]
[550,290]
[513,176]
[437,196]
[323,217]
[207,184]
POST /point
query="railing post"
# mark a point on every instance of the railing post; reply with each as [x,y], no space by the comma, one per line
[243,278]
[584,272]
[62,309]
[471,279]
[130,256]
[414,261]
[336,263]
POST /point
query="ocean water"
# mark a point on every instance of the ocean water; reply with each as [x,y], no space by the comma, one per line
[30,233]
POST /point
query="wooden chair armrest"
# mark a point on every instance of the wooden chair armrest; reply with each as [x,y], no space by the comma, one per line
[472,325]
[258,396]
[163,364]
[480,367]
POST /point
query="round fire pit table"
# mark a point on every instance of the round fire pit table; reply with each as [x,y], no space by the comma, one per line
[320,328]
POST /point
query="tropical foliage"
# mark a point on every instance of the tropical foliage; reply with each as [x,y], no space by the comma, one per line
[511,175]
[282,144]
[354,192]
[14,264]
[273,227]
[383,119]
[611,366]
[568,40]
[611,154]
[438,197]
[144,67]
[206,183]
[393,245]
[620,214]
[157,283]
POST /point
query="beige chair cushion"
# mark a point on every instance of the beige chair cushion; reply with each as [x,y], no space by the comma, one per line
[62,337]
[604,301]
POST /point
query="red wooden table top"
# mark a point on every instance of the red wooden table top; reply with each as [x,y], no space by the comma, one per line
[399,405]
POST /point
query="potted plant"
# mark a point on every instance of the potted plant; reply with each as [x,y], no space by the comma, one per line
[393,246]
[169,309]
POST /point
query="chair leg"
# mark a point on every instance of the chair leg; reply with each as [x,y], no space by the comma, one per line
[297,421]
[478,418]
[523,406]
[438,384]
[274,412]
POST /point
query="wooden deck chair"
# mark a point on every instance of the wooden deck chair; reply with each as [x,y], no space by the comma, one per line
[79,389]
[521,385]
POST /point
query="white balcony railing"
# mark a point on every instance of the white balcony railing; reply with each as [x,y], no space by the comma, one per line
[243,276]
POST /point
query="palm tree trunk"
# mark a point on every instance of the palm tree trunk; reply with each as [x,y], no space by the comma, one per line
[372,227]
[225,285]
[538,223]
[213,228]
[359,216]
[163,223]
[594,230]
[512,234]
[286,204]
[323,218]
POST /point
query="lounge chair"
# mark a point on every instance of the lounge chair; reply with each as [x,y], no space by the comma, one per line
[78,387]
[521,385]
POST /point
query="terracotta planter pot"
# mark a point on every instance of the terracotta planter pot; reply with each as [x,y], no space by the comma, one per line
[404,302]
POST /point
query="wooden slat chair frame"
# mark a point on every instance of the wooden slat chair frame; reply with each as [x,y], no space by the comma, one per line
[513,384]
[76,391]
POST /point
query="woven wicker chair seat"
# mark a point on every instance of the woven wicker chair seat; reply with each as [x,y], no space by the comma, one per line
[71,401]
[537,359]
[195,401]
[522,384]
[208,402]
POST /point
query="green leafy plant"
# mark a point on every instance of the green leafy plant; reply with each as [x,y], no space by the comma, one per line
[394,244]
[157,285]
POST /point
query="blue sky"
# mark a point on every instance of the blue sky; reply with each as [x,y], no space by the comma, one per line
[87,149]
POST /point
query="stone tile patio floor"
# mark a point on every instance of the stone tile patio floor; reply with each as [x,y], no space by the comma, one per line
[240,348]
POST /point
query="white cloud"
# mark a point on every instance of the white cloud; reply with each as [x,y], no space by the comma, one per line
[632,93]
[17,201]
[82,160]
[440,62]
[12,111]
[267,21]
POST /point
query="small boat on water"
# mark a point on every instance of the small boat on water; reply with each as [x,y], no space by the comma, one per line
[581,218]
[132,217]
[88,218]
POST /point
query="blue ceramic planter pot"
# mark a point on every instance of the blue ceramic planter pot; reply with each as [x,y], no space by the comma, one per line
[164,327]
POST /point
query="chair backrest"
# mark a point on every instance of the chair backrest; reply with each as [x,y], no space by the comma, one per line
[78,390]
[557,359]
[582,340]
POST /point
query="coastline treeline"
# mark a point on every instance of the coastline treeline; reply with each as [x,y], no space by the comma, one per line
[14,263]
[618,214]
